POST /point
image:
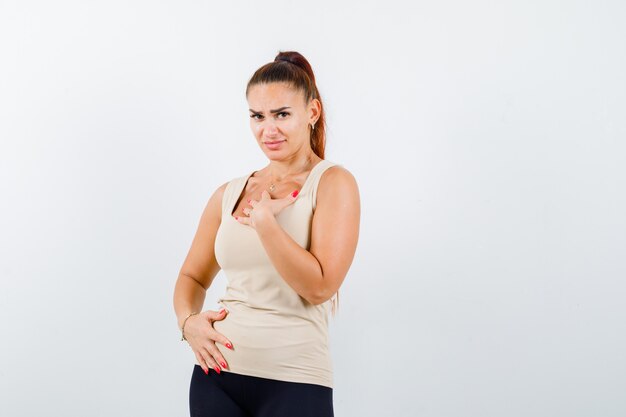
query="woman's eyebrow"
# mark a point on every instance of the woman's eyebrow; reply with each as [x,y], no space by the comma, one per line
[271,111]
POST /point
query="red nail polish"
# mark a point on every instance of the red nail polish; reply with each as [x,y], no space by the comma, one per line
[236,217]
[229,346]
[295,193]
[206,371]
[223,365]
[217,369]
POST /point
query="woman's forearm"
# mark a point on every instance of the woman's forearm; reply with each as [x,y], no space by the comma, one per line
[296,265]
[189,297]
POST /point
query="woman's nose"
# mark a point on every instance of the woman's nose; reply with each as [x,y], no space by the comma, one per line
[270,128]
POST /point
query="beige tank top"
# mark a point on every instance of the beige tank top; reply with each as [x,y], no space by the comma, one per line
[275,333]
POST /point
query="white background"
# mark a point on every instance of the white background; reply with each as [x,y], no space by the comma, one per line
[488,141]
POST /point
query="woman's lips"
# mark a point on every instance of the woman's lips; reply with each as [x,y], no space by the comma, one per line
[273,144]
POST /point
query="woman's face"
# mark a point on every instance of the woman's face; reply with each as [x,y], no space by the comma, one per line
[279,118]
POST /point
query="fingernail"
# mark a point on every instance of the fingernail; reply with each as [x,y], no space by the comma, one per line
[223,365]
[236,217]
[295,193]
[206,371]
[229,346]
[216,369]
[221,311]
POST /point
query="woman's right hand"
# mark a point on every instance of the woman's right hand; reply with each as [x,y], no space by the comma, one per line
[201,336]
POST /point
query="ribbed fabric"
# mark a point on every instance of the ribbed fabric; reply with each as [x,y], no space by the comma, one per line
[275,333]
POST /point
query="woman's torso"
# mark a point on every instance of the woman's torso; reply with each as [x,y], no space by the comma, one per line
[275,333]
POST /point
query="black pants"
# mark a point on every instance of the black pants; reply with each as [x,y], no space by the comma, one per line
[233,395]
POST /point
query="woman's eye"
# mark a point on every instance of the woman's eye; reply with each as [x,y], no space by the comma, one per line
[282,113]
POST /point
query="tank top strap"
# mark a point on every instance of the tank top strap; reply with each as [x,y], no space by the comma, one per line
[315,176]
[231,193]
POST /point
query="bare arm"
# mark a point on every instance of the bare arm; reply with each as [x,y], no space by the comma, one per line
[200,266]
[317,274]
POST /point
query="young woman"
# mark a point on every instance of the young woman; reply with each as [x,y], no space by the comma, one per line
[285,236]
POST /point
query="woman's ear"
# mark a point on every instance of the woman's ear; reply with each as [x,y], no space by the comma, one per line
[315,108]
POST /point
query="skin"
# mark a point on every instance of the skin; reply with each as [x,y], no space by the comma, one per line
[315,274]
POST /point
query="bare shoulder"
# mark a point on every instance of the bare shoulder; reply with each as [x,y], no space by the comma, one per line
[213,210]
[221,188]
[335,181]
[212,213]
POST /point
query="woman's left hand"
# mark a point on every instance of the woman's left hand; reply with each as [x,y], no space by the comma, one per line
[265,209]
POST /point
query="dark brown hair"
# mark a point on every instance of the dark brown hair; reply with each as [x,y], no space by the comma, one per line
[291,67]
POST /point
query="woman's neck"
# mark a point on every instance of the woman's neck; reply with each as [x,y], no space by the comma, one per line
[280,170]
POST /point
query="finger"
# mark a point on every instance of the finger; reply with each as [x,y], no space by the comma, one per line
[289,199]
[265,195]
[202,362]
[243,220]
[216,336]
[209,360]
[217,355]
[248,211]
[222,361]
[221,315]
[216,315]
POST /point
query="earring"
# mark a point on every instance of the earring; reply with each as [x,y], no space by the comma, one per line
[312,126]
